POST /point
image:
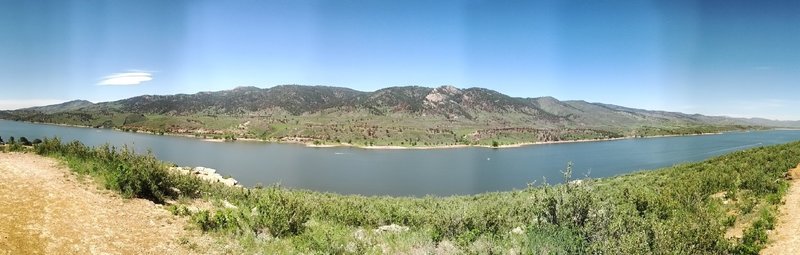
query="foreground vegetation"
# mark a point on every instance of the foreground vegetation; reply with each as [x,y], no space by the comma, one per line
[685,209]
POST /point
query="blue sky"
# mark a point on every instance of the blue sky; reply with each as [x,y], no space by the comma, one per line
[736,58]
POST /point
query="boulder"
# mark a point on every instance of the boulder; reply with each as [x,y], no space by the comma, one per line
[360,234]
[206,174]
[229,182]
[228,205]
[263,235]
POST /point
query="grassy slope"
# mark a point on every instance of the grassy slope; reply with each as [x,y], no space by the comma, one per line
[361,128]
[665,211]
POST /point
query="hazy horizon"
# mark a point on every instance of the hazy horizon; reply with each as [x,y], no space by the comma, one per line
[718,58]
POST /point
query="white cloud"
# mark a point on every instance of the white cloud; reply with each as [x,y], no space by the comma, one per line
[126,78]
[19,104]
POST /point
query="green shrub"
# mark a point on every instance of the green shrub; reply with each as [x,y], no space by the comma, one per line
[179,210]
[550,239]
[279,211]
[729,221]
[131,174]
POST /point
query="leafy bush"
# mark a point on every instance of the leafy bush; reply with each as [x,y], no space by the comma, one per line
[549,239]
[282,213]
[123,170]
[755,237]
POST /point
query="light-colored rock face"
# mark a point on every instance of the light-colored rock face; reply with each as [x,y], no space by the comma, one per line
[435,97]
[442,94]
[449,90]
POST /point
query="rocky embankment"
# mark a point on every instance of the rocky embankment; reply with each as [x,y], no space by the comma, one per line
[207,174]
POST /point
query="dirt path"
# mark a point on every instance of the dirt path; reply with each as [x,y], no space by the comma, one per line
[786,237]
[44,209]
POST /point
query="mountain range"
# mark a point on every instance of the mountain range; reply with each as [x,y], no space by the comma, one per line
[409,116]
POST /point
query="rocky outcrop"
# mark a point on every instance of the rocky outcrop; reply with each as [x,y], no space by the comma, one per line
[207,174]
[441,94]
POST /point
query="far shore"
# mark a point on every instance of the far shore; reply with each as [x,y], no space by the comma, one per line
[311,144]
[503,146]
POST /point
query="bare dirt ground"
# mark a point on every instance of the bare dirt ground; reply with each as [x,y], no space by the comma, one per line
[45,209]
[785,239]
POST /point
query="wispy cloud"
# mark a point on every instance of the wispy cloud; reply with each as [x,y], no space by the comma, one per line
[126,78]
[25,103]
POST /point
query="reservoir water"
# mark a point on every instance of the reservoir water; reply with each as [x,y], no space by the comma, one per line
[412,172]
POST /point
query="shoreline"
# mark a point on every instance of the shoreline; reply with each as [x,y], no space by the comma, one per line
[442,147]
[387,147]
[505,146]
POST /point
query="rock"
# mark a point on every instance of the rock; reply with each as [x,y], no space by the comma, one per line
[446,247]
[207,174]
[193,209]
[435,97]
[351,247]
[229,181]
[518,231]
[204,170]
[392,228]
[263,235]
[208,178]
[181,170]
[360,234]
[228,205]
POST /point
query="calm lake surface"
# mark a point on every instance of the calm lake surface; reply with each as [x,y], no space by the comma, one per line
[412,172]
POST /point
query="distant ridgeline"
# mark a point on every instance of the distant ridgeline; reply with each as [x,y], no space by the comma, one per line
[395,116]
